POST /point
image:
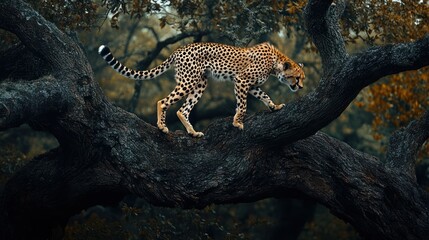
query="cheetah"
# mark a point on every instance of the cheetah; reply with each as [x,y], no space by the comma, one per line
[247,68]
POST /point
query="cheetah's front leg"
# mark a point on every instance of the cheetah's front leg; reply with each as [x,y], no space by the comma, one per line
[261,95]
[240,89]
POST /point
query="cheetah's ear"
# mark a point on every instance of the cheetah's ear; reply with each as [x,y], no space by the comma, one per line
[286,66]
[301,65]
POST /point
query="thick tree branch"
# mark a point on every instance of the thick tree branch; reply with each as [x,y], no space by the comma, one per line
[354,185]
[42,212]
[305,116]
[16,58]
[405,144]
[26,101]
[41,37]
[321,19]
[377,62]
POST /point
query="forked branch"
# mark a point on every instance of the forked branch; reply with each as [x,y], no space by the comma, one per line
[405,144]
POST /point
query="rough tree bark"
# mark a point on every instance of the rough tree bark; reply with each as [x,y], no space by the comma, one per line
[106,152]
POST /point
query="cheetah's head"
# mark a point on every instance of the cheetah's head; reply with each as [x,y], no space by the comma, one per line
[291,74]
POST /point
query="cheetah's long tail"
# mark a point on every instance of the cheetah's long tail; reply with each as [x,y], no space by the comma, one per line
[105,52]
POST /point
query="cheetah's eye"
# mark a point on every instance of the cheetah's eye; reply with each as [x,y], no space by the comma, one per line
[286,66]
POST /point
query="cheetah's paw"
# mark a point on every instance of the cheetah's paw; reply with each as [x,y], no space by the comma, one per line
[196,134]
[238,125]
[275,107]
[163,128]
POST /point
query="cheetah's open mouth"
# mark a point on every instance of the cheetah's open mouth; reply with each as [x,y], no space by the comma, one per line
[294,87]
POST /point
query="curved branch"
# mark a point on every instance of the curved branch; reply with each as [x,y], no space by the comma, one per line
[41,37]
[355,186]
[154,33]
[304,117]
[321,20]
[372,64]
[26,101]
[404,145]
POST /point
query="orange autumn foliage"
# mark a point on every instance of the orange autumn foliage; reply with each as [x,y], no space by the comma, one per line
[397,101]
[400,98]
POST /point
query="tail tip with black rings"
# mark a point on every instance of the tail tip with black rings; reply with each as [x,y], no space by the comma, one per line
[103,50]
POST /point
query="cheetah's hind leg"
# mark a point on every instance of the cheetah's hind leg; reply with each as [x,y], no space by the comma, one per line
[165,103]
[192,99]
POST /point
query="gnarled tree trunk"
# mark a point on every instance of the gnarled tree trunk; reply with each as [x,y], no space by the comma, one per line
[106,152]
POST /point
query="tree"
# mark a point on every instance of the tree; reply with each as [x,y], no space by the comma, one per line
[243,21]
[106,152]
[393,105]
